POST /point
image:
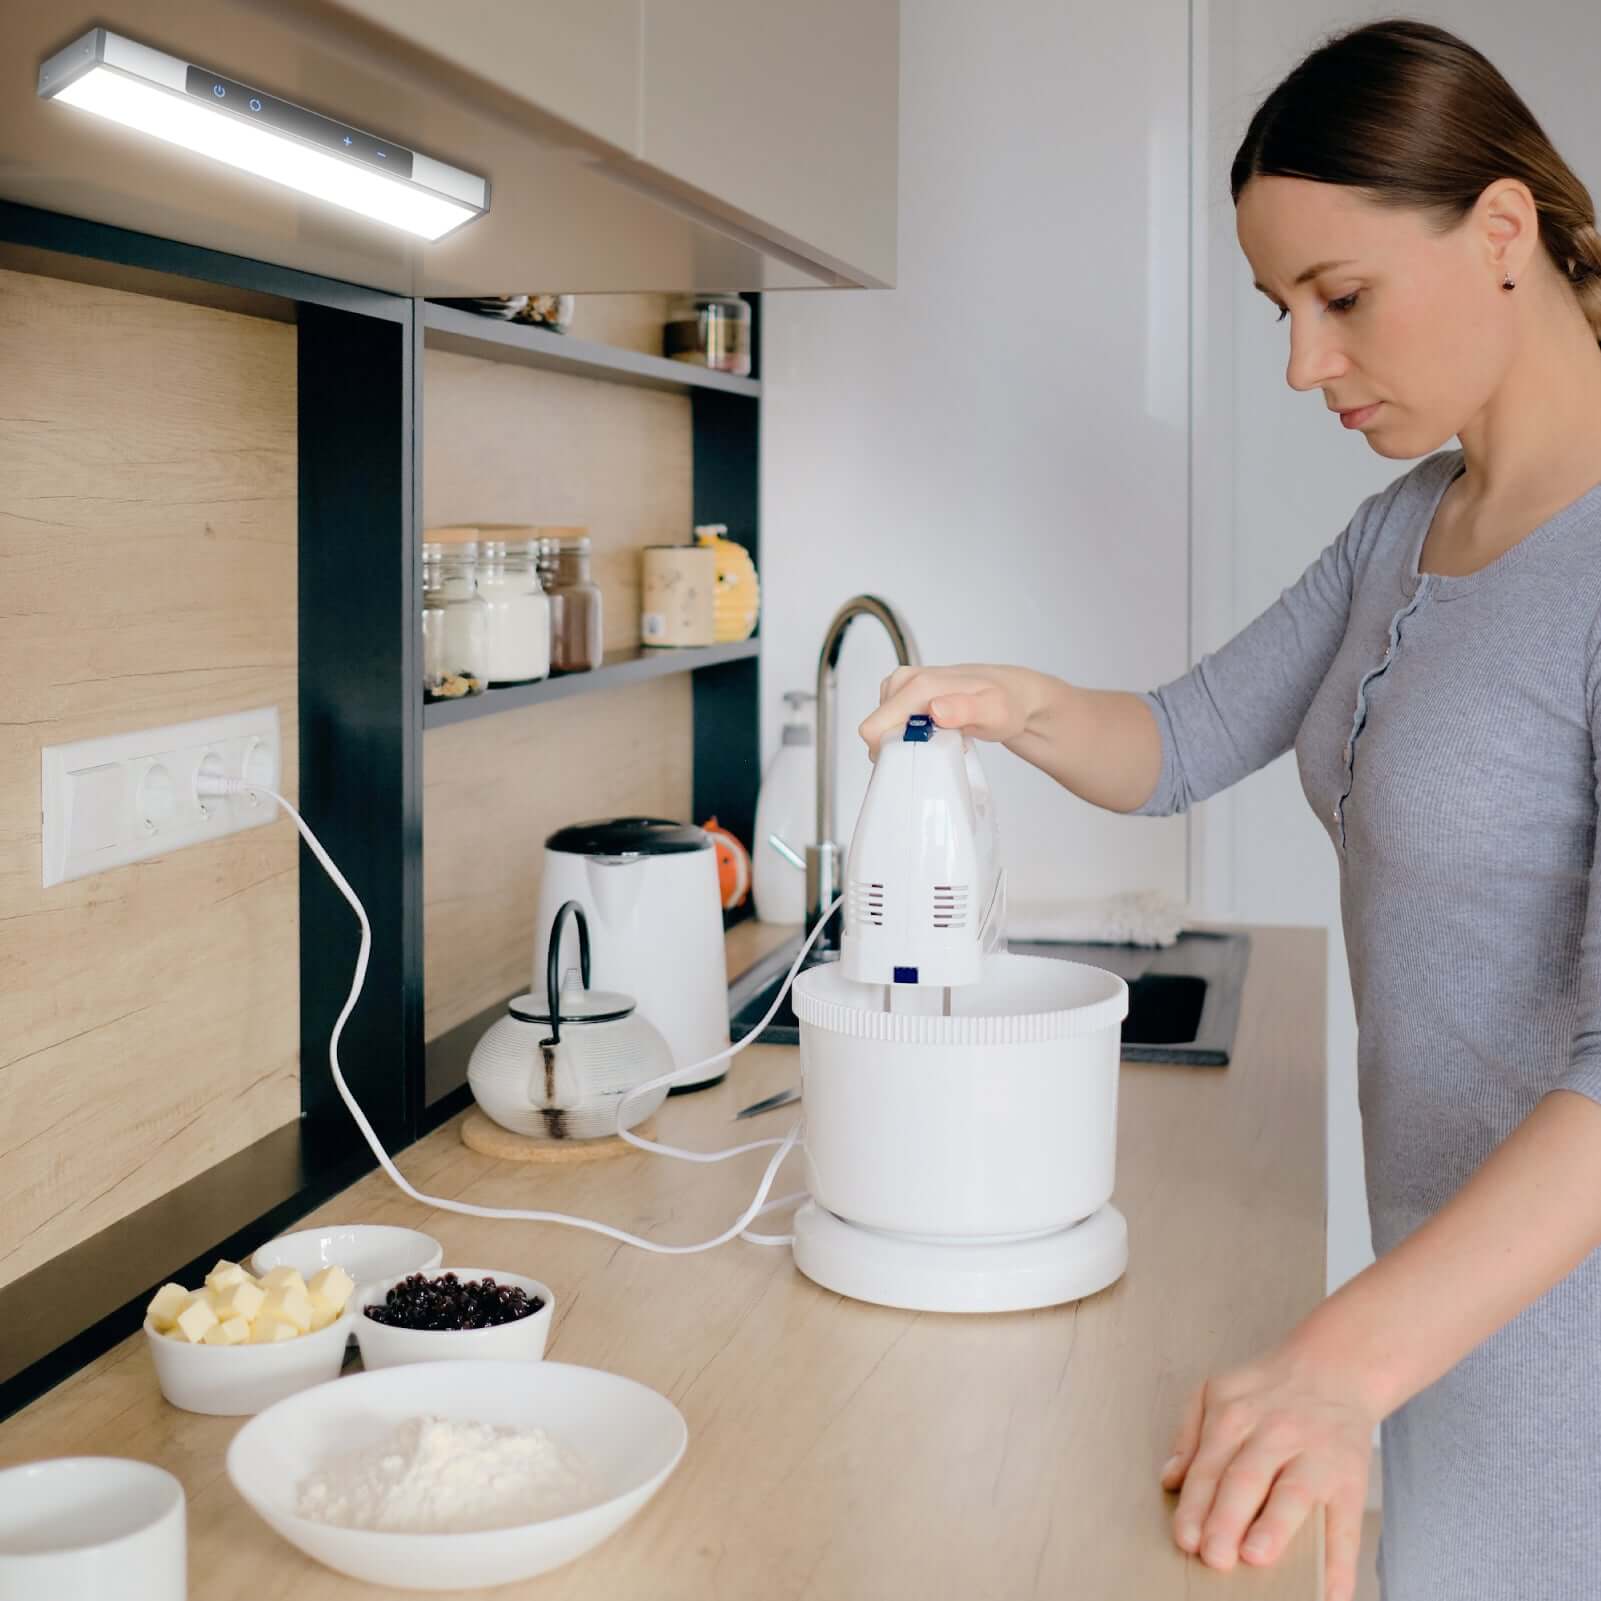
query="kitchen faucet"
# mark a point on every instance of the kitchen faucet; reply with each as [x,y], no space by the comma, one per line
[823,859]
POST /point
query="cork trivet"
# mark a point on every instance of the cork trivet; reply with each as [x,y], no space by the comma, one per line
[488,1138]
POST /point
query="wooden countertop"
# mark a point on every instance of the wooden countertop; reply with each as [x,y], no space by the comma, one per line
[839,1450]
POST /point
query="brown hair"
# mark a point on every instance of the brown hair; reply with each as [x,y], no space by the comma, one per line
[1414,116]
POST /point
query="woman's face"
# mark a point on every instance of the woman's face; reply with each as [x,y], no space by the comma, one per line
[1397,323]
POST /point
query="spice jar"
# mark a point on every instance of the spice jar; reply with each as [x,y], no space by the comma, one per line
[711,331]
[577,638]
[455,622]
[519,609]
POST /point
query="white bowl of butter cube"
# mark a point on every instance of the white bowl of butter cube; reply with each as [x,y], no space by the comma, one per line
[240,1343]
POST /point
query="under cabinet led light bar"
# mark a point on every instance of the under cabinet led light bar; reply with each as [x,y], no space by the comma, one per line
[214,116]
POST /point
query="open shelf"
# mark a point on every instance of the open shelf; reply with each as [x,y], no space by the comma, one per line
[361,381]
[466,334]
[619,668]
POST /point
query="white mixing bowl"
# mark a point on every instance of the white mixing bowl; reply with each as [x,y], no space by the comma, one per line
[366,1251]
[630,1437]
[996,1123]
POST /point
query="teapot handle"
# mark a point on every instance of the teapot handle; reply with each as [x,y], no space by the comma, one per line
[553,962]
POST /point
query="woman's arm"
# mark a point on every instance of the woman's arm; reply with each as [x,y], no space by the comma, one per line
[1519,1226]
[1292,1429]
[1232,713]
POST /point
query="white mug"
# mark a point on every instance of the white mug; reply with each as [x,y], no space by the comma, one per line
[92,1528]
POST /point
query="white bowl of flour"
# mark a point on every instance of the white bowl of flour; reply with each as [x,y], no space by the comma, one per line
[457,1475]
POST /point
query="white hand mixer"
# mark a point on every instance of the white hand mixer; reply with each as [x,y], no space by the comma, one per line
[960,1122]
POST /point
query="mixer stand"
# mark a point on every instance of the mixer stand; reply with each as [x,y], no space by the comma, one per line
[931,1275]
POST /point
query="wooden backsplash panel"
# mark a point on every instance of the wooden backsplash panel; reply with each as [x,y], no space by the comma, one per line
[510,444]
[494,789]
[513,444]
[149,1015]
[634,322]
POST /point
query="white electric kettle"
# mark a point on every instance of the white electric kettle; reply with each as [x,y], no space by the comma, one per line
[649,890]
[557,1064]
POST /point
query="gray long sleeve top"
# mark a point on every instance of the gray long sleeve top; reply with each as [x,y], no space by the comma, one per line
[1446,731]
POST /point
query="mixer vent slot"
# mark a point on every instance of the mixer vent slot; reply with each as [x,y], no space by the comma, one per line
[950,906]
[867,903]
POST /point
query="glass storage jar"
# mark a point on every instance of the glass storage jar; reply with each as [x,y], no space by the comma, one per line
[711,331]
[577,635]
[455,622]
[519,609]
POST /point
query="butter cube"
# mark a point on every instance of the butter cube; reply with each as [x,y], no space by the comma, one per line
[292,1306]
[198,1316]
[320,1319]
[280,1279]
[244,1299]
[270,1330]
[330,1289]
[225,1275]
[231,1331]
[165,1306]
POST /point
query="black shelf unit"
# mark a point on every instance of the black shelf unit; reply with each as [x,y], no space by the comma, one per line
[362,725]
[620,668]
[468,334]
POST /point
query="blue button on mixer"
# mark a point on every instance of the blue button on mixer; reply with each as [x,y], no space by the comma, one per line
[919,730]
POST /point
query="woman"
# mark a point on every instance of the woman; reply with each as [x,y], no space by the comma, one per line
[1438,672]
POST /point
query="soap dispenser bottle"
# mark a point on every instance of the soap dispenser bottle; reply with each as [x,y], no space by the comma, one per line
[786,817]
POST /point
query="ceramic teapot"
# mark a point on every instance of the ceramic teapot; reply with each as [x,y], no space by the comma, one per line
[556,1065]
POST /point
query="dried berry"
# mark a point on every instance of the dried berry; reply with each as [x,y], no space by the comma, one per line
[447,1303]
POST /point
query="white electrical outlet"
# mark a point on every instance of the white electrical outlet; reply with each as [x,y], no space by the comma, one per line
[108,802]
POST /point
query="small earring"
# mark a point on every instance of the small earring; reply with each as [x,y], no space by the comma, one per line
[1507,283]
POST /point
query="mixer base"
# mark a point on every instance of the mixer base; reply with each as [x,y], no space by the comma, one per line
[896,1270]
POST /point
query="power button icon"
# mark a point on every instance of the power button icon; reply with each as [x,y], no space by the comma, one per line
[218,90]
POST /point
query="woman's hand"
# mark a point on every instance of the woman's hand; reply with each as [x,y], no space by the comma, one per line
[992,703]
[1260,1449]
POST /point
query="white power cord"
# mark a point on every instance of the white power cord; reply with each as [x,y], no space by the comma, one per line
[207,787]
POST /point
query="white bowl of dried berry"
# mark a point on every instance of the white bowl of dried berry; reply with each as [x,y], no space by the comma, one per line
[452,1315]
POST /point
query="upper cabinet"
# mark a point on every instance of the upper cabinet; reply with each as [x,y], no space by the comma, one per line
[776,121]
[576,59]
[629,144]
[785,115]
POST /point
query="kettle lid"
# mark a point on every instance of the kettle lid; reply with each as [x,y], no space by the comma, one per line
[577,1006]
[629,836]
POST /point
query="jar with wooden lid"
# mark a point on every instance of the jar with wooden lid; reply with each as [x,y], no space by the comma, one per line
[455,620]
[577,632]
[519,609]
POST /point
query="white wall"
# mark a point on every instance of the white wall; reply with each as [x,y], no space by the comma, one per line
[999,445]
[1277,478]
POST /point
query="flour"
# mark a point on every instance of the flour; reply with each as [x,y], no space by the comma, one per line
[440,1476]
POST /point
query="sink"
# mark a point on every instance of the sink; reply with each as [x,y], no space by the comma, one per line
[1184,999]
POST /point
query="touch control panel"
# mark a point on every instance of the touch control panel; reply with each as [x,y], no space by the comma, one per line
[284,117]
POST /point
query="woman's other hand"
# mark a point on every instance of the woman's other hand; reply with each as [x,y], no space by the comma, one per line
[1260,1449]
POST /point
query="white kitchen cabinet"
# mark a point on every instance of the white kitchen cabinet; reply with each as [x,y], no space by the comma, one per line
[775,122]
[578,60]
[785,113]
